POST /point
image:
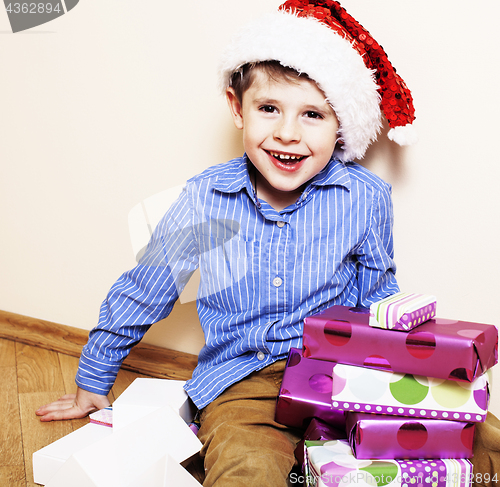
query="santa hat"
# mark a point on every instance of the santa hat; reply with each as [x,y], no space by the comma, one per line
[319,38]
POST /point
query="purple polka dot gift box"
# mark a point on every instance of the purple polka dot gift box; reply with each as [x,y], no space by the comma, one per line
[360,389]
[332,464]
[381,437]
[306,393]
[446,349]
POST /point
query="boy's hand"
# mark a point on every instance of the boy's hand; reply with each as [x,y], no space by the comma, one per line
[72,406]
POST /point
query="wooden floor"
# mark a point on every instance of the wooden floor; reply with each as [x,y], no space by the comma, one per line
[30,377]
[38,364]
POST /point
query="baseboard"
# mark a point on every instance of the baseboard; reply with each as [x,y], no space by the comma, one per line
[143,358]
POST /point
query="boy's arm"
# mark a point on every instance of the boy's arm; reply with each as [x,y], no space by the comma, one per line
[376,266]
[139,298]
[72,406]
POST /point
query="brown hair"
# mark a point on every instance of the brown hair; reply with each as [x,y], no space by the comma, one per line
[243,78]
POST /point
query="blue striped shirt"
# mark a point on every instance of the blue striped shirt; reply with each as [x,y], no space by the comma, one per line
[262,271]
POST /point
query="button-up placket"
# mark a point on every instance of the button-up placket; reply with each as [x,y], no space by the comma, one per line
[256,339]
[276,280]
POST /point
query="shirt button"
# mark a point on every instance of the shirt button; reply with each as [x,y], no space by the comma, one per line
[261,356]
[280,224]
[277,281]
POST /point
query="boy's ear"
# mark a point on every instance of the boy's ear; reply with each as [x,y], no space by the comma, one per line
[234,108]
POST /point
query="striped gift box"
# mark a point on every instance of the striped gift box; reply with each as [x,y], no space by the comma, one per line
[402,311]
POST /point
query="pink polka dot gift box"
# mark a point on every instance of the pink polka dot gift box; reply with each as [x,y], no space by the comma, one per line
[360,389]
[446,349]
[306,393]
[103,417]
[374,436]
[332,464]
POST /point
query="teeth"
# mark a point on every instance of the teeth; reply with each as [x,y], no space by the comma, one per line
[285,157]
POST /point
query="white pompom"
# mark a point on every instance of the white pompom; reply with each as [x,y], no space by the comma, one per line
[405,135]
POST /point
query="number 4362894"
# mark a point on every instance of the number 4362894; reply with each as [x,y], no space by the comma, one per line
[33,8]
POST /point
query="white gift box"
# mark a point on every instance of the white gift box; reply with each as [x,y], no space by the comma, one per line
[165,472]
[133,455]
[146,395]
[48,460]
[150,434]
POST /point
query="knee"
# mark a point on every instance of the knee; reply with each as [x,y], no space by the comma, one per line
[234,454]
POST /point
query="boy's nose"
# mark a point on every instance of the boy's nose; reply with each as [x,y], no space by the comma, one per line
[287,131]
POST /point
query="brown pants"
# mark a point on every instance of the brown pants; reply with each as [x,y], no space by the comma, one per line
[244,446]
[487,453]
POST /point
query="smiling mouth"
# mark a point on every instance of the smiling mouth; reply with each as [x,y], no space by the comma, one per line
[286,158]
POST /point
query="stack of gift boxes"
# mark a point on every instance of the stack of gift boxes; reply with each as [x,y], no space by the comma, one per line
[389,396]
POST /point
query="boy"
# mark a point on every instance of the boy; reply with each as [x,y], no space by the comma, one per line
[287,230]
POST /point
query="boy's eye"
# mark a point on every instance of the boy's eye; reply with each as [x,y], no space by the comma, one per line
[313,114]
[267,108]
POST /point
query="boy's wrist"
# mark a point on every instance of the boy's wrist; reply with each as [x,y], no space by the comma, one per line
[99,387]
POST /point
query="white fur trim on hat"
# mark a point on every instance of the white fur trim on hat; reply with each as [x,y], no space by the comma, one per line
[313,48]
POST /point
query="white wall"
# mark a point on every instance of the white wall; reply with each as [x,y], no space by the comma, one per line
[117,100]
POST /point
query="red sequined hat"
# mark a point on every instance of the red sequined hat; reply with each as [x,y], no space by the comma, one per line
[321,39]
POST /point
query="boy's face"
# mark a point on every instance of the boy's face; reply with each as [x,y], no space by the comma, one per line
[289,134]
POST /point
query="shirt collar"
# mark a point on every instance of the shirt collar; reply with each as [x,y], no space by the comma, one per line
[334,173]
[236,179]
